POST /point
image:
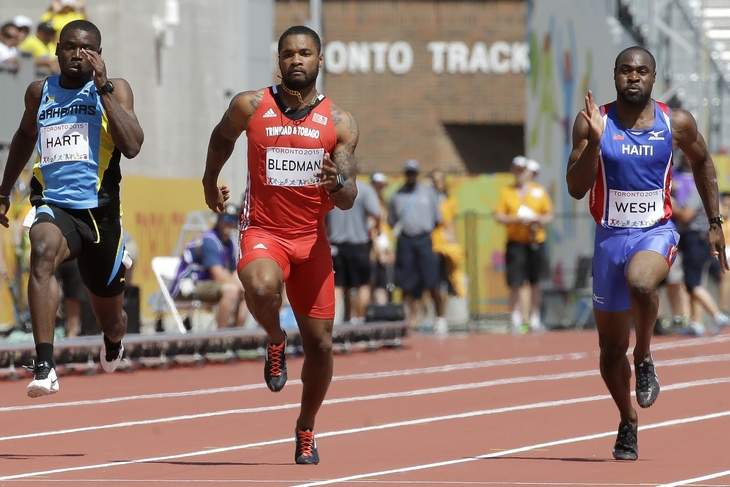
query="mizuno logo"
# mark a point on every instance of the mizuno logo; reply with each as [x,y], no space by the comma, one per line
[599,299]
[270,113]
[656,135]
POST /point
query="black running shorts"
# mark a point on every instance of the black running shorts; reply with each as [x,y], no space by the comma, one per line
[94,236]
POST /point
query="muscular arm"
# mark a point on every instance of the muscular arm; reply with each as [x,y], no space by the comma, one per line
[344,156]
[691,142]
[123,124]
[21,147]
[583,160]
[224,136]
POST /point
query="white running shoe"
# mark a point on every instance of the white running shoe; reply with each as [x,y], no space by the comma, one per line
[109,366]
[536,325]
[44,381]
[721,320]
[441,326]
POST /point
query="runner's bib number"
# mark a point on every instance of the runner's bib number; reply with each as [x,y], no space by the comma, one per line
[291,166]
[635,209]
[65,142]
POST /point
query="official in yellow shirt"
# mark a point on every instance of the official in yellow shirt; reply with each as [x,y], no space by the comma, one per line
[61,12]
[42,44]
[524,208]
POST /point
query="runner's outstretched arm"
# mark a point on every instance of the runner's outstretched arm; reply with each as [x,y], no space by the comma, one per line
[692,144]
[343,157]
[583,161]
[124,127]
[21,147]
[222,142]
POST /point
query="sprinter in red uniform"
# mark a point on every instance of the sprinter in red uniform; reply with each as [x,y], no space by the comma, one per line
[300,165]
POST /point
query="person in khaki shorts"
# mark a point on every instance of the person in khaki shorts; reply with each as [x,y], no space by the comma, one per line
[207,271]
[525,207]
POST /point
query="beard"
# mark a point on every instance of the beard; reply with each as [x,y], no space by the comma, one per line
[639,98]
[300,82]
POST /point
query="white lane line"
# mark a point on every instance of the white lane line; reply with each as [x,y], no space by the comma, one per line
[361,376]
[370,397]
[693,342]
[504,453]
[368,481]
[694,480]
[385,426]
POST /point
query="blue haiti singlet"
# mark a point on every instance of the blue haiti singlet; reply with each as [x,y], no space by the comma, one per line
[630,203]
[634,172]
[78,164]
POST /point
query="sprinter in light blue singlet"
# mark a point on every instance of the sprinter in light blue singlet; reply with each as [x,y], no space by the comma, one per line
[78,164]
[622,153]
[80,123]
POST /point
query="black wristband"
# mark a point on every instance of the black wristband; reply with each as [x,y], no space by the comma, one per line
[340,183]
[717,220]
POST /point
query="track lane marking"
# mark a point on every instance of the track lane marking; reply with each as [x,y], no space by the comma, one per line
[399,424]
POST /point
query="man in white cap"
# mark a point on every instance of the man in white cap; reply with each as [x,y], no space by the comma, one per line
[524,207]
[24,24]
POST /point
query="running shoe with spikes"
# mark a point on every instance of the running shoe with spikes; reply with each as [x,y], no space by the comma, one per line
[626,446]
[44,381]
[306,451]
[647,383]
[275,366]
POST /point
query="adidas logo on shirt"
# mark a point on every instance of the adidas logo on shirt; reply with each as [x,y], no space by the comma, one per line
[270,113]
[260,246]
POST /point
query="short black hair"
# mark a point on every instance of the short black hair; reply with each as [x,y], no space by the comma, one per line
[46,27]
[300,29]
[84,25]
[7,26]
[636,48]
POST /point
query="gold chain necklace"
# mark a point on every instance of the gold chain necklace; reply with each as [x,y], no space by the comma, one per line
[298,95]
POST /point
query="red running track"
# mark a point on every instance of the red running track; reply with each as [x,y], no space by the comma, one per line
[476,410]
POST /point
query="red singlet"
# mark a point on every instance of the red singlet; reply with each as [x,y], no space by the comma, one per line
[284,208]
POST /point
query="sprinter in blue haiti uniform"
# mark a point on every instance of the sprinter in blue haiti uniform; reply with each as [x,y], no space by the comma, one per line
[80,124]
[622,153]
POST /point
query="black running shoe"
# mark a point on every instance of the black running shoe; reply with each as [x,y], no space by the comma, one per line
[626,446]
[306,451]
[647,383]
[275,366]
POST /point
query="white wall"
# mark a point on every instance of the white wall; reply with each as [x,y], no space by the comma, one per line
[220,47]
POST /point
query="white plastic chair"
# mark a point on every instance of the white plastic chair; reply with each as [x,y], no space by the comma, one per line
[164,269]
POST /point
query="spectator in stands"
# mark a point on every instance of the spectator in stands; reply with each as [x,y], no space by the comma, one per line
[41,46]
[414,213]
[349,235]
[692,225]
[525,207]
[207,271]
[9,35]
[24,25]
[61,12]
[383,247]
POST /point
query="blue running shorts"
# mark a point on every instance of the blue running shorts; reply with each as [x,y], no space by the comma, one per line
[613,250]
